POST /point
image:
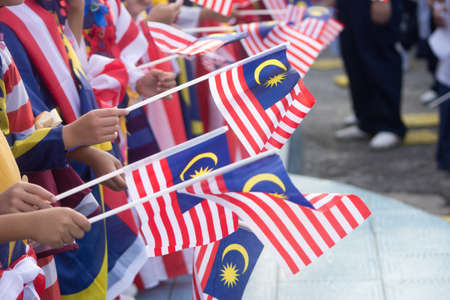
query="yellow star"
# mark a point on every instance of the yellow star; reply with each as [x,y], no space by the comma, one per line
[275,80]
[229,274]
[201,171]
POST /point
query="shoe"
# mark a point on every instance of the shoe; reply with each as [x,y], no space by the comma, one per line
[350,120]
[428,96]
[351,133]
[384,140]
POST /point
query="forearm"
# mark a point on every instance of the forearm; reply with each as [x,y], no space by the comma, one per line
[15,227]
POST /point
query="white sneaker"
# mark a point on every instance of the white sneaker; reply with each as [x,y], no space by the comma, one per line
[428,96]
[350,120]
[351,133]
[384,140]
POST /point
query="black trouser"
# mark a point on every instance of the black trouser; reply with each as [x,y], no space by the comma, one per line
[443,149]
[373,65]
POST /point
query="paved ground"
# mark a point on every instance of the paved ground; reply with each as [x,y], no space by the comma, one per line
[407,173]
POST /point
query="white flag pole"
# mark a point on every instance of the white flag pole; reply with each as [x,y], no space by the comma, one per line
[182,185]
[439,101]
[204,77]
[209,29]
[147,160]
[260,12]
[157,62]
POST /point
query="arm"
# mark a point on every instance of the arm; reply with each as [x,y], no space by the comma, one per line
[54,227]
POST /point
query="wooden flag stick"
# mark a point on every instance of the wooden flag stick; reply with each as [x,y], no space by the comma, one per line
[260,12]
[147,160]
[209,29]
[157,62]
[183,185]
[205,77]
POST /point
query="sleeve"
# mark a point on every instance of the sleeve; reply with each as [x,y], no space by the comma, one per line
[34,150]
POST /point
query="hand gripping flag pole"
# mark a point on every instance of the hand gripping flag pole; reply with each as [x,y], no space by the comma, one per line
[205,77]
[183,185]
[149,159]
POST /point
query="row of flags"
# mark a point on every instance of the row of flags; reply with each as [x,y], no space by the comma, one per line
[228,212]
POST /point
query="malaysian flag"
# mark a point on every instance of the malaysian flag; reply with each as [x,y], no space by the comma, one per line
[299,228]
[296,10]
[173,222]
[257,31]
[302,50]
[222,269]
[331,31]
[172,40]
[314,21]
[258,98]
[223,7]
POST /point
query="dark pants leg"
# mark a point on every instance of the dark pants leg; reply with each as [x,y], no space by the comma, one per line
[373,66]
[443,149]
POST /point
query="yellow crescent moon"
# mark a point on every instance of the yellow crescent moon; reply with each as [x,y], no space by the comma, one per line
[263,177]
[196,159]
[269,62]
[240,249]
[318,11]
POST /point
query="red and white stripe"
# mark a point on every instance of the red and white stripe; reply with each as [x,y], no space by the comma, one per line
[302,50]
[28,22]
[223,7]
[311,27]
[203,263]
[295,13]
[294,110]
[299,235]
[254,42]
[108,79]
[18,108]
[161,268]
[276,5]
[131,42]
[169,38]
[253,125]
[332,29]
[23,279]
[164,227]
[200,47]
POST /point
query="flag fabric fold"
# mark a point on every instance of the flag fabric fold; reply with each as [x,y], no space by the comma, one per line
[299,228]
[258,98]
[173,222]
[175,41]
[222,269]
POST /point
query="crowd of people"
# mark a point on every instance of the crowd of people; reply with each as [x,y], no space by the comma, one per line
[68,72]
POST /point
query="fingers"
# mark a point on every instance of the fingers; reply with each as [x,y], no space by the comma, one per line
[23,207]
[110,112]
[81,221]
[39,191]
[34,201]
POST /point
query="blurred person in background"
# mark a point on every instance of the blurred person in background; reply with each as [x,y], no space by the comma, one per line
[374,67]
[440,44]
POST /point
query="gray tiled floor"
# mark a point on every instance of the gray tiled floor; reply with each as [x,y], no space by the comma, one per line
[400,253]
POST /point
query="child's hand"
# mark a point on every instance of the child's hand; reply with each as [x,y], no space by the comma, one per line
[380,12]
[165,13]
[95,127]
[24,197]
[154,82]
[104,163]
[57,226]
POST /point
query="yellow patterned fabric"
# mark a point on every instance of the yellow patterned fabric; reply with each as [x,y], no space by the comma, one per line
[9,173]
